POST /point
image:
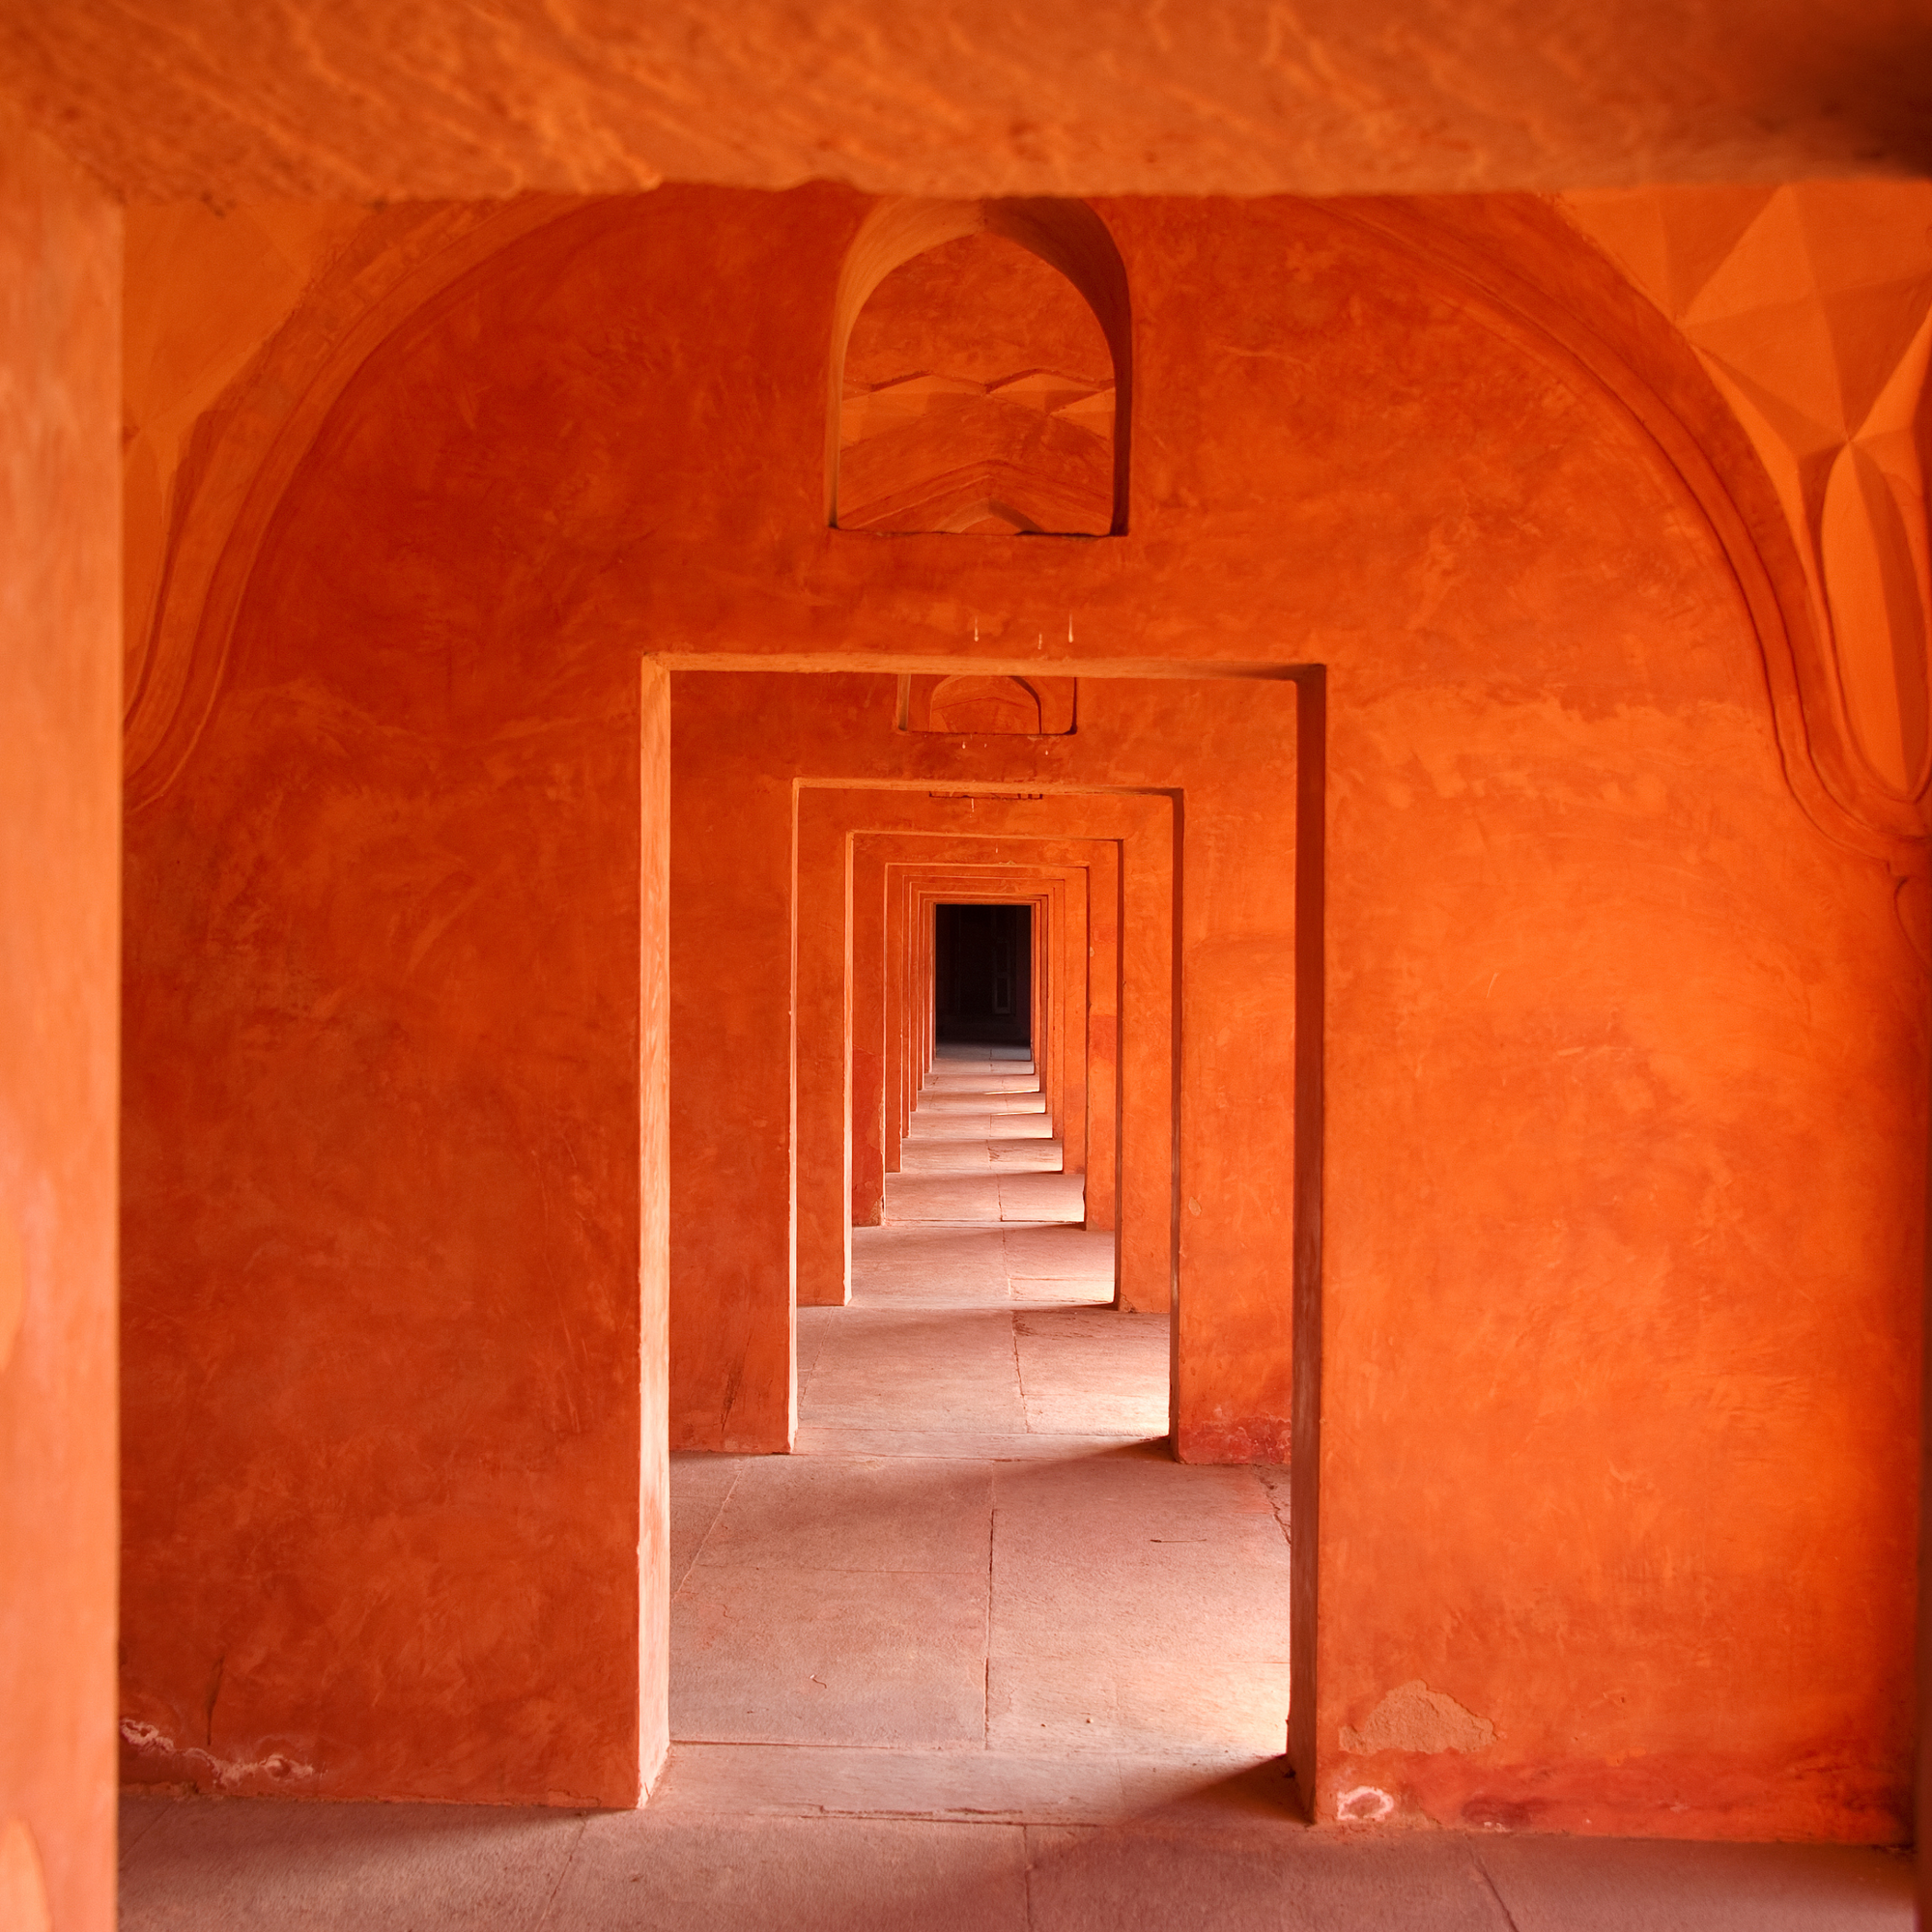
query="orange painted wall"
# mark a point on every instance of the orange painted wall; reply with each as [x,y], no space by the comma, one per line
[733,1383]
[388,1479]
[1625,1061]
[960,102]
[214,284]
[653,1358]
[60,692]
[1621,1341]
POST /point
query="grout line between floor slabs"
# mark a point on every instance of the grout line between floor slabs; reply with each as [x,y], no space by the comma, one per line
[543,1918]
[1019,1373]
[1489,1880]
[986,1634]
[717,1517]
[125,1847]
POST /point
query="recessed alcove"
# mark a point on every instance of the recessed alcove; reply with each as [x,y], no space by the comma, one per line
[969,705]
[980,372]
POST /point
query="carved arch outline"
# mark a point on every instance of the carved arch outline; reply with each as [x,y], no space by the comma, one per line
[238,469]
[1652,374]
[245,453]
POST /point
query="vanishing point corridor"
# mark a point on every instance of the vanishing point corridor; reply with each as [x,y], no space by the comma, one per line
[815,815]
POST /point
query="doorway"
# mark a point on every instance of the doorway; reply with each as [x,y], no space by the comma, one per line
[952,1583]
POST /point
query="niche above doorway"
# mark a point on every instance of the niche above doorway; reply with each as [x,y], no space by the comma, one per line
[969,705]
[980,372]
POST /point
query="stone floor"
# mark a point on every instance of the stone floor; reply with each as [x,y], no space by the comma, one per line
[978,1655]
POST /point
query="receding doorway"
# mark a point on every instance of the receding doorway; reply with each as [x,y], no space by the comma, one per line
[949,1590]
[995,1574]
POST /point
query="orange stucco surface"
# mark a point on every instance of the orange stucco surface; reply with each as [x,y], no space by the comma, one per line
[1623,1040]
[399,1527]
[60,688]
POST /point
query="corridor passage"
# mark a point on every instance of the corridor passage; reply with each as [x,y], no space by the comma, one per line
[981,1588]
[977,1658]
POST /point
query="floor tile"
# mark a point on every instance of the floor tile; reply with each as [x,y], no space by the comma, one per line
[699,1483]
[930,1157]
[1129,1694]
[1139,1606]
[942,1264]
[1093,1368]
[1024,1157]
[858,1396]
[802,1782]
[1209,1789]
[887,1515]
[346,1868]
[1015,1445]
[833,1657]
[1042,1196]
[1603,1885]
[1140,1417]
[139,1813]
[1060,1254]
[959,1125]
[1139,1498]
[925,1197]
[646,1873]
[1266,1879]
[1062,1294]
[953,1367]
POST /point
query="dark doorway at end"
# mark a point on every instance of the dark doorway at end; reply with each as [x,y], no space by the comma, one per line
[983,977]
